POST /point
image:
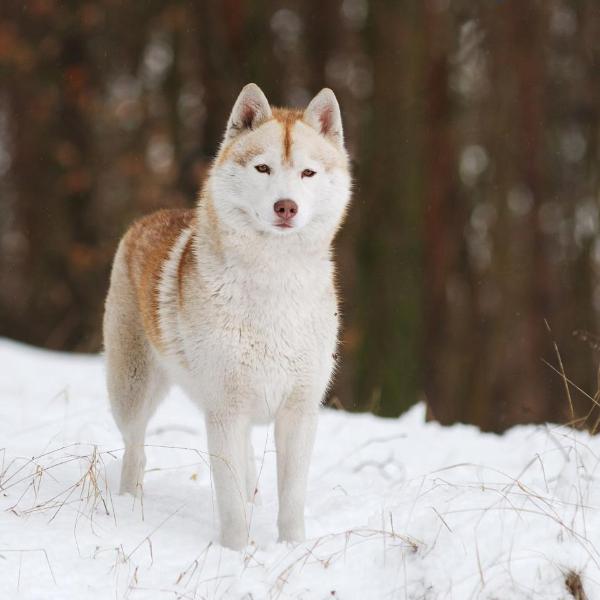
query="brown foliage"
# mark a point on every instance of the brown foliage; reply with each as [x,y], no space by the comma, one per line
[474,131]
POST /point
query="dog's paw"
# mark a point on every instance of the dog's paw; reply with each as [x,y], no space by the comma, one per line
[234,542]
[292,534]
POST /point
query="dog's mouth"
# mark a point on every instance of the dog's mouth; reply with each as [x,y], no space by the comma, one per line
[282,225]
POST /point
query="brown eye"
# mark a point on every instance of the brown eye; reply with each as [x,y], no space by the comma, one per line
[308,173]
[263,169]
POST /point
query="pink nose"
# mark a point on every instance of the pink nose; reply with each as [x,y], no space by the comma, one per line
[285,209]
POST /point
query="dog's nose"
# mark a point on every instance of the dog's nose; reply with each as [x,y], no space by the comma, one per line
[285,209]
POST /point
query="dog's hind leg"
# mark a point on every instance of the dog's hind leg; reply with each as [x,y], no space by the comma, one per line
[136,383]
[136,386]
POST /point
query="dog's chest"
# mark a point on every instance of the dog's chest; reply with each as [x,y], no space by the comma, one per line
[271,316]
[264,330]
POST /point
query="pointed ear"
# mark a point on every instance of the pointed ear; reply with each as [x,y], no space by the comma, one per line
[250,110]
[323,114]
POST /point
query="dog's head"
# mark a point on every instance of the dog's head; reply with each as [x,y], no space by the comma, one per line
[282,171]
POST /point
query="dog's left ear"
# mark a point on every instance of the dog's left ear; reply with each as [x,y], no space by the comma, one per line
[323,114]
[250,110]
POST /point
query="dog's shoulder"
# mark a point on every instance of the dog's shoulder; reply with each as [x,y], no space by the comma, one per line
[148,245]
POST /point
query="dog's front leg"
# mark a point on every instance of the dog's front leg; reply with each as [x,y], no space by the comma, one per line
[227,446]
[295,428]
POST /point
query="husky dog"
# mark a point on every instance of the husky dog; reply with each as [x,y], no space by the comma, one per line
[235,302]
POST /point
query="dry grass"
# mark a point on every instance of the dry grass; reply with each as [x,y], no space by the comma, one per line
[90,495]
[20,552]
[575,586]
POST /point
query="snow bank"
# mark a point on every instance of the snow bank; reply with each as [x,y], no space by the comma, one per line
[396,508]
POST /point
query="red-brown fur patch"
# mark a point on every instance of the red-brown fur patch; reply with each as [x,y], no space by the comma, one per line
[147,246]
[287,117]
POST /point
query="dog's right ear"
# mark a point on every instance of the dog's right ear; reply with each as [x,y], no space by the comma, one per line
[250,110]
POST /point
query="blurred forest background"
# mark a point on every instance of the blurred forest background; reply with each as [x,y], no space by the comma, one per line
[473,243]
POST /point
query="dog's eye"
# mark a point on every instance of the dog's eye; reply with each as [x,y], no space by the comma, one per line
[263,169]
[308,173]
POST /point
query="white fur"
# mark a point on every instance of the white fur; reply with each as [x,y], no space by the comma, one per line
[254,340]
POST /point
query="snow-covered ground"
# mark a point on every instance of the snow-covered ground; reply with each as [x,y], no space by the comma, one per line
[396,508]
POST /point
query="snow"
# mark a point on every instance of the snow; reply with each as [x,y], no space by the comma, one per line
[396,508]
